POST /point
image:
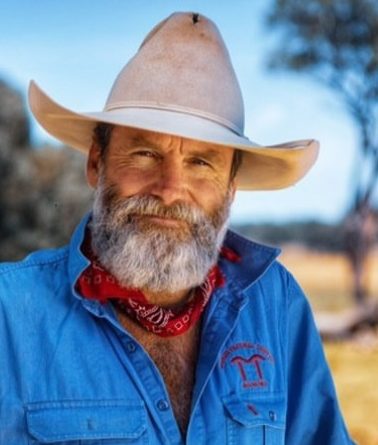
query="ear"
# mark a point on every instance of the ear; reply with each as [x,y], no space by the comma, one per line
[233,188]
[93,165]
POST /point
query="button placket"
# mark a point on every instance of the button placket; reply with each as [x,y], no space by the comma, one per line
[155,394]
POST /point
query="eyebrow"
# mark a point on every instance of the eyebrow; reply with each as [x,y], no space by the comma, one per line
[141,140]
[211,154]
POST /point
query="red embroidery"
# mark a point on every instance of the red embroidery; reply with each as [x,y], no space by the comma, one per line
[254,360]
[252,368]
[230,255]
[245,345]
[253,409]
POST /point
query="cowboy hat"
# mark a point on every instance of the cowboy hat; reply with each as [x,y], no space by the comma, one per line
[181,82]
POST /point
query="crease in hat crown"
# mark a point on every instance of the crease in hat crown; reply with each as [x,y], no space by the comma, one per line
[181,82]
[182,65]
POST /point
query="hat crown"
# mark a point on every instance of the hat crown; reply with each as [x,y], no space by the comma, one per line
[182,65]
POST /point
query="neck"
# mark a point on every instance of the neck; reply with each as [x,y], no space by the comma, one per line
[167,300]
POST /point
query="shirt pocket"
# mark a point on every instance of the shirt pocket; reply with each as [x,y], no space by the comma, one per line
[258,419]
[87,422]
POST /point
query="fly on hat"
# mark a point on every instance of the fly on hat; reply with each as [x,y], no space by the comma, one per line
[181,82]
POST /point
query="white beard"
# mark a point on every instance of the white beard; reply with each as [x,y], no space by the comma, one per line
[147,256]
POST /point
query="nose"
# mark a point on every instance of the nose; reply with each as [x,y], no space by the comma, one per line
[170,184]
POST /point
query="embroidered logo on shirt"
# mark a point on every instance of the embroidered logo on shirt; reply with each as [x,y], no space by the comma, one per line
[250,361]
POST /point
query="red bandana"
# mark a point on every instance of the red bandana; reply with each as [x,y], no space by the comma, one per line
[96,283]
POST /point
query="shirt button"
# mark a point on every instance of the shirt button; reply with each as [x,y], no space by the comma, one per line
[272,416]
[162,405]
[131,346]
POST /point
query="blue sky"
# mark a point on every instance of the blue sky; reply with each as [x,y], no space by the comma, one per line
[75,49]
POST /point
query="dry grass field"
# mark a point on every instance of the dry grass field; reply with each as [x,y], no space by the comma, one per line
[355,370]
[325,277]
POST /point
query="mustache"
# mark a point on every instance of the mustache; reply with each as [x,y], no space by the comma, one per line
[123,209]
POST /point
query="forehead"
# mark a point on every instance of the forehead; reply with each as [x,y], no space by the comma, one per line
[124,137]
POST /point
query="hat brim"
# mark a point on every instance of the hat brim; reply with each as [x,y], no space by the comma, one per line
[263,167]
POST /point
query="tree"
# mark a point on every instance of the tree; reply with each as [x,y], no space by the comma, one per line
[14,140]
[336,42]
[43,189]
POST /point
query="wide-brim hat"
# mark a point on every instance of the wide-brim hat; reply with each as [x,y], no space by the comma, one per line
[181,82]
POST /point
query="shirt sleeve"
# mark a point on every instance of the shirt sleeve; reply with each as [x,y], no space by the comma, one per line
[313,413]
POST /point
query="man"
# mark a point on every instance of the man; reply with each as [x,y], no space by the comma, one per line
[154,325]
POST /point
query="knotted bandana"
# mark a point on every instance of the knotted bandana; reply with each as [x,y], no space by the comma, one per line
[96,283]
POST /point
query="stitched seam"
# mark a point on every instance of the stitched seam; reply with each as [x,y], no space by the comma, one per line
[69,404]
[28,263]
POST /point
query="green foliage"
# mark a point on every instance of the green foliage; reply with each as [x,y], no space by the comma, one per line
[336,39]
[43,190]
[336,42]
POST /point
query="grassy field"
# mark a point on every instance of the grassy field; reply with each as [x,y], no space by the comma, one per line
[326,280]
[355,369]
[326,277]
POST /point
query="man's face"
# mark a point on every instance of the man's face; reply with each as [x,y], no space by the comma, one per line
[170,168]
[160,209]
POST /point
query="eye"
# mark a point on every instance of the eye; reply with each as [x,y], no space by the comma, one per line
[200,162]
[145,152]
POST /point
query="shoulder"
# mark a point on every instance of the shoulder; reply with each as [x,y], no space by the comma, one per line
[278,274]
[32,272]
[35,260]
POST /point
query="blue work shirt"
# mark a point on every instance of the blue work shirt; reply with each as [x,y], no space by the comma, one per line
[71,374]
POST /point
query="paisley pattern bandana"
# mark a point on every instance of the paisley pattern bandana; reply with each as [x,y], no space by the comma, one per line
[97,283]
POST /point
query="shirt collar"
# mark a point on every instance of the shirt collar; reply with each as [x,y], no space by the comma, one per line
[77,261]
[255,260]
